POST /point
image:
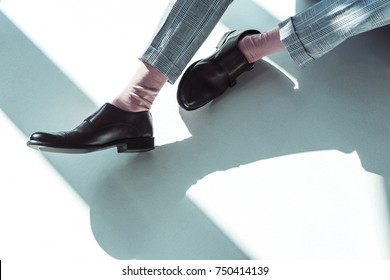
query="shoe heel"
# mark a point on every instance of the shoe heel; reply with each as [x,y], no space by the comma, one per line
[224,38]
[136,145]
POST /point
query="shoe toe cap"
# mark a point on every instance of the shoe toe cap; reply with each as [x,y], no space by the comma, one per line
[203,82]
[44,137]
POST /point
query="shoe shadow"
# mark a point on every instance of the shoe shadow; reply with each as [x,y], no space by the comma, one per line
[338,106]
[351,83]
[137,203]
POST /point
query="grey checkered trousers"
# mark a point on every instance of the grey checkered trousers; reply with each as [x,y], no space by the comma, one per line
[310,34]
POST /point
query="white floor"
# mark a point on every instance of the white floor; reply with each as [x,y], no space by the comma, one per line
[296,169]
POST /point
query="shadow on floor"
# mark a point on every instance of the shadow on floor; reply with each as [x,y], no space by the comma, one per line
[138,205]
[342,101]
[133,214]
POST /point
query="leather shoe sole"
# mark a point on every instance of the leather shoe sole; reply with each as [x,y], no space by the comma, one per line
[135,145]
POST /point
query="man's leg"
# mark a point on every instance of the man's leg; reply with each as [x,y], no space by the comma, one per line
[126,122]
[319,29]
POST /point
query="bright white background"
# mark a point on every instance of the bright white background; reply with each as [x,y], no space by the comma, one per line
[314,204]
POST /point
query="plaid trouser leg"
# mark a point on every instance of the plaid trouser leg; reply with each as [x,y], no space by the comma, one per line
[184,27]
[317,30]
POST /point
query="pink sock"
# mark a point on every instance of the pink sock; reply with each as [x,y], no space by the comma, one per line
[256,46]
[142,89]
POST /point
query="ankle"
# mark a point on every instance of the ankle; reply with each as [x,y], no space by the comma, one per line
[254,47]
[142,89]
[130,105]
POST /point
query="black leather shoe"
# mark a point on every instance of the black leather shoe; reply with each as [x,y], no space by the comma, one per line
[108,127]
[209,78]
